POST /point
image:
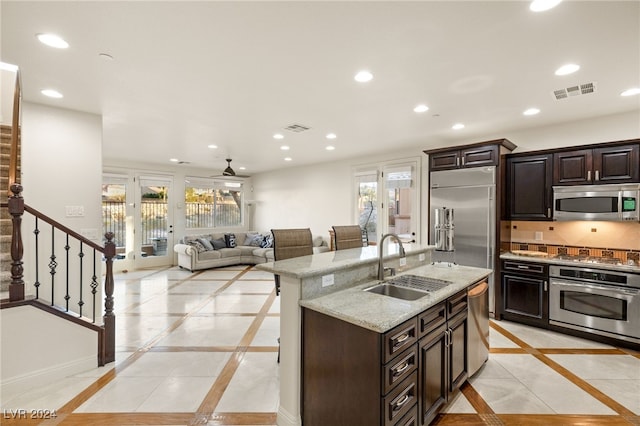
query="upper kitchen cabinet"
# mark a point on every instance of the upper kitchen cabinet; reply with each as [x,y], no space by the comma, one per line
[528,187]
[474,155]
[601,165]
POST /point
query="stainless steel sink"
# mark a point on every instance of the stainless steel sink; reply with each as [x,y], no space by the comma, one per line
[419,283]
[396,291]
[408,287]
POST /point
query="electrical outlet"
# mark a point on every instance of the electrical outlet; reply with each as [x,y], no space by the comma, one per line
[327,280]
[403,261]
[421,257]
[538,236]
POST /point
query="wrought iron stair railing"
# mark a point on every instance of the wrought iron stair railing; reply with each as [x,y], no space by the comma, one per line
[65,269]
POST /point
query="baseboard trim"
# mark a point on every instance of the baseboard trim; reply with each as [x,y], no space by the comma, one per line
[286,419]
[19,384]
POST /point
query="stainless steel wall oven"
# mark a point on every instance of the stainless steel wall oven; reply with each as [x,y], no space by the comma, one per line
[598,301]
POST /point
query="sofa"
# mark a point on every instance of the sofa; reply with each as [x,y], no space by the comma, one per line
[204,251]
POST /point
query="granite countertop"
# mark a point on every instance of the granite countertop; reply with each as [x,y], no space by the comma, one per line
[333,261]
[553,261]
[381,313]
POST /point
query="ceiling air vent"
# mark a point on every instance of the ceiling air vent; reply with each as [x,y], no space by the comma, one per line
[297,128]
[572,91]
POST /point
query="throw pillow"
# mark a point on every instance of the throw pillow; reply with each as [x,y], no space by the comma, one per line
[248,241]
[230,240]
[206,243]
[257,240]
[197,245]
[218,244]
[267,241]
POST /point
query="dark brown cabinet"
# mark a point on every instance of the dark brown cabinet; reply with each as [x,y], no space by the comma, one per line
[529,187]
[443,354]
[469,157]
[355,376]
[614,164]
[474,155]
[525,292]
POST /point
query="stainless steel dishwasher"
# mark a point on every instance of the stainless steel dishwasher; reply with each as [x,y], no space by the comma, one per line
[478,334]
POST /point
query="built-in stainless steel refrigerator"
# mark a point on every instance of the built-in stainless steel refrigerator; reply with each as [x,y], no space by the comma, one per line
[471,193]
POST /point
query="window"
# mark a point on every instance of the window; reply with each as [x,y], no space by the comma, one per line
[211,204]
[367,198]
[114,214]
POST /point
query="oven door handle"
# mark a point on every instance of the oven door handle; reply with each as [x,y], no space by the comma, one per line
[597,287]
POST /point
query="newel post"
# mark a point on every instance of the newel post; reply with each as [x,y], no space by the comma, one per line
[109,317]
[16,210]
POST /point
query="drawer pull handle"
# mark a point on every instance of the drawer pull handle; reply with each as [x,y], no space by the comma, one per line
[522,267]
[398,405]
[401,339]
[402,369]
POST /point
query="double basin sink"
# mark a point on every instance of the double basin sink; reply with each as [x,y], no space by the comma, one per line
[408,287]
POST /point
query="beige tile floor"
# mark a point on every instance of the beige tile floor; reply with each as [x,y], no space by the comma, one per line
[201,348]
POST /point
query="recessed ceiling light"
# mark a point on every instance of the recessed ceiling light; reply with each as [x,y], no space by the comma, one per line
[567,69]
[242,168]
[457,126]
[363,76]
[331,136]
[421,108]
[287,159]
[330,148]
[542,5]
[531,111]
[51,93]
[52,40]
[631,92]
[284,148]
[173,160]
[278,136]
[212,146]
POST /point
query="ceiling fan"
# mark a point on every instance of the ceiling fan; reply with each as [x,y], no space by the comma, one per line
[229,172]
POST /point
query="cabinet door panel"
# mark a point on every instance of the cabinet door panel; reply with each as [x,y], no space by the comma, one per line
[529,187]
[573,168]
[617,164]
[433,381]
[444,160]
[481,156]
[458,332]
[523,296]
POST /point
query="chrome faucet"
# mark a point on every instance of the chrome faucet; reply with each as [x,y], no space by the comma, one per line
[381,250]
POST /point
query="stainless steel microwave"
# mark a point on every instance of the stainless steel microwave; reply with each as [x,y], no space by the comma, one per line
[597,202]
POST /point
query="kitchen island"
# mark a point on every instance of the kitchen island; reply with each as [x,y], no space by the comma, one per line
[332,284]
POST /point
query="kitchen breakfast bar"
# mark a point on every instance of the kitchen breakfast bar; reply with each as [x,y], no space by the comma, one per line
[330,290]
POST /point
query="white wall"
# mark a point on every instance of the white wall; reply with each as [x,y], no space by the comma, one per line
[321,195]
[62,166]
[7,89]
[51,350]
[596,130]
[313,197]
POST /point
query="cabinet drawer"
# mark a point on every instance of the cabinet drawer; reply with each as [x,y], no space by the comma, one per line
[399,368]
[526,268]
[411,419]
[399,338]
[431,319]
[457,303]
[401,400]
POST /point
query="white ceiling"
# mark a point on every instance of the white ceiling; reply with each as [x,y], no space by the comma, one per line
[188,74]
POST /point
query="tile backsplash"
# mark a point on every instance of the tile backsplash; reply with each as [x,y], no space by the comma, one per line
[608,239]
